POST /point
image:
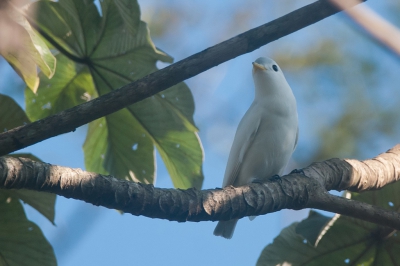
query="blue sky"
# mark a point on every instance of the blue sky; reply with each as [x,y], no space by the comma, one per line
[90,235]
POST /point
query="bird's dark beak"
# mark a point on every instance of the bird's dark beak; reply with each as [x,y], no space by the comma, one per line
[257,66]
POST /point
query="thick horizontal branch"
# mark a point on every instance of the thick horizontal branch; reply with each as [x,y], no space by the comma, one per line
[70,119]
[358,176]
[294,191]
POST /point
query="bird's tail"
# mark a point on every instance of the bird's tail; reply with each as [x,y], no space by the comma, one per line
[225,228]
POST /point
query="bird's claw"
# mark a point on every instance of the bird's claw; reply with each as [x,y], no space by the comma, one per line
[258,181]
[275,178]
[298,171]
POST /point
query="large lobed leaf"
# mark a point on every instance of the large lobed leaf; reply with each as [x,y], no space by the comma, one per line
[102,52]
[341,240]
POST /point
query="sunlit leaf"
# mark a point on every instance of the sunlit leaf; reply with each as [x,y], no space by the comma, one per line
[23,48]
[71,85]
[128,154]
[100,53]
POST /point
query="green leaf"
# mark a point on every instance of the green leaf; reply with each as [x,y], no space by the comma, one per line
[71,85]
[312,227]
[38,49]
[21,241]
[343,240]
[11,116]
[123,147]
[25,51]
[130,13]
[99,54]
[341,243]
[388,197]
[43,202]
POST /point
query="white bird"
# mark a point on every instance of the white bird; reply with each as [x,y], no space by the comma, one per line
[266,136]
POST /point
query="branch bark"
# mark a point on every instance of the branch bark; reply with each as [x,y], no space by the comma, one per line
[72,118]
[294,191]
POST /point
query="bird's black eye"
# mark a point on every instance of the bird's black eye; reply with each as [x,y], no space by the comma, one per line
[275,67]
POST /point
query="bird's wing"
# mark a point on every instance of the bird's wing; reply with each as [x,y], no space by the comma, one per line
[297,138]
[242,152]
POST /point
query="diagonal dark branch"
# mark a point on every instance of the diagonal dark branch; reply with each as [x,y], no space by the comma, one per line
[69,120]
[294,191]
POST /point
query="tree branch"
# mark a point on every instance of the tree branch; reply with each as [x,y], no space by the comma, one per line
[387,35]
[69,120]
[294,191]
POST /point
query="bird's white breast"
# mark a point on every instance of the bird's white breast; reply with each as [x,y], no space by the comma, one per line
[273,145]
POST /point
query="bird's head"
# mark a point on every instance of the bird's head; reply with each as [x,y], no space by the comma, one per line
[266,67]
[268,77]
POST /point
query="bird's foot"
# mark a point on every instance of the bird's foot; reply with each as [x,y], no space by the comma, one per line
[258,181]
[298,171]
[275,178]
[263,180]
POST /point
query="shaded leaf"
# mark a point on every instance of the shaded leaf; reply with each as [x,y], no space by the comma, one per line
[21,241]
[311,227]
[43,202]
[344,240]
[130,13]
[388,197]
[11,116]
[103,55]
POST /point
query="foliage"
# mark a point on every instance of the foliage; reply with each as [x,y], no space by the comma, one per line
[21,241]
[110,50]
[97,49]
[339,240]
[100,48]
[22,47]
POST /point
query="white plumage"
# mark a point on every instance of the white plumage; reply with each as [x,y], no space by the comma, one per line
[266,136]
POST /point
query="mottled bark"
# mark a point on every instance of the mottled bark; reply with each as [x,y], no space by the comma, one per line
[294,191]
